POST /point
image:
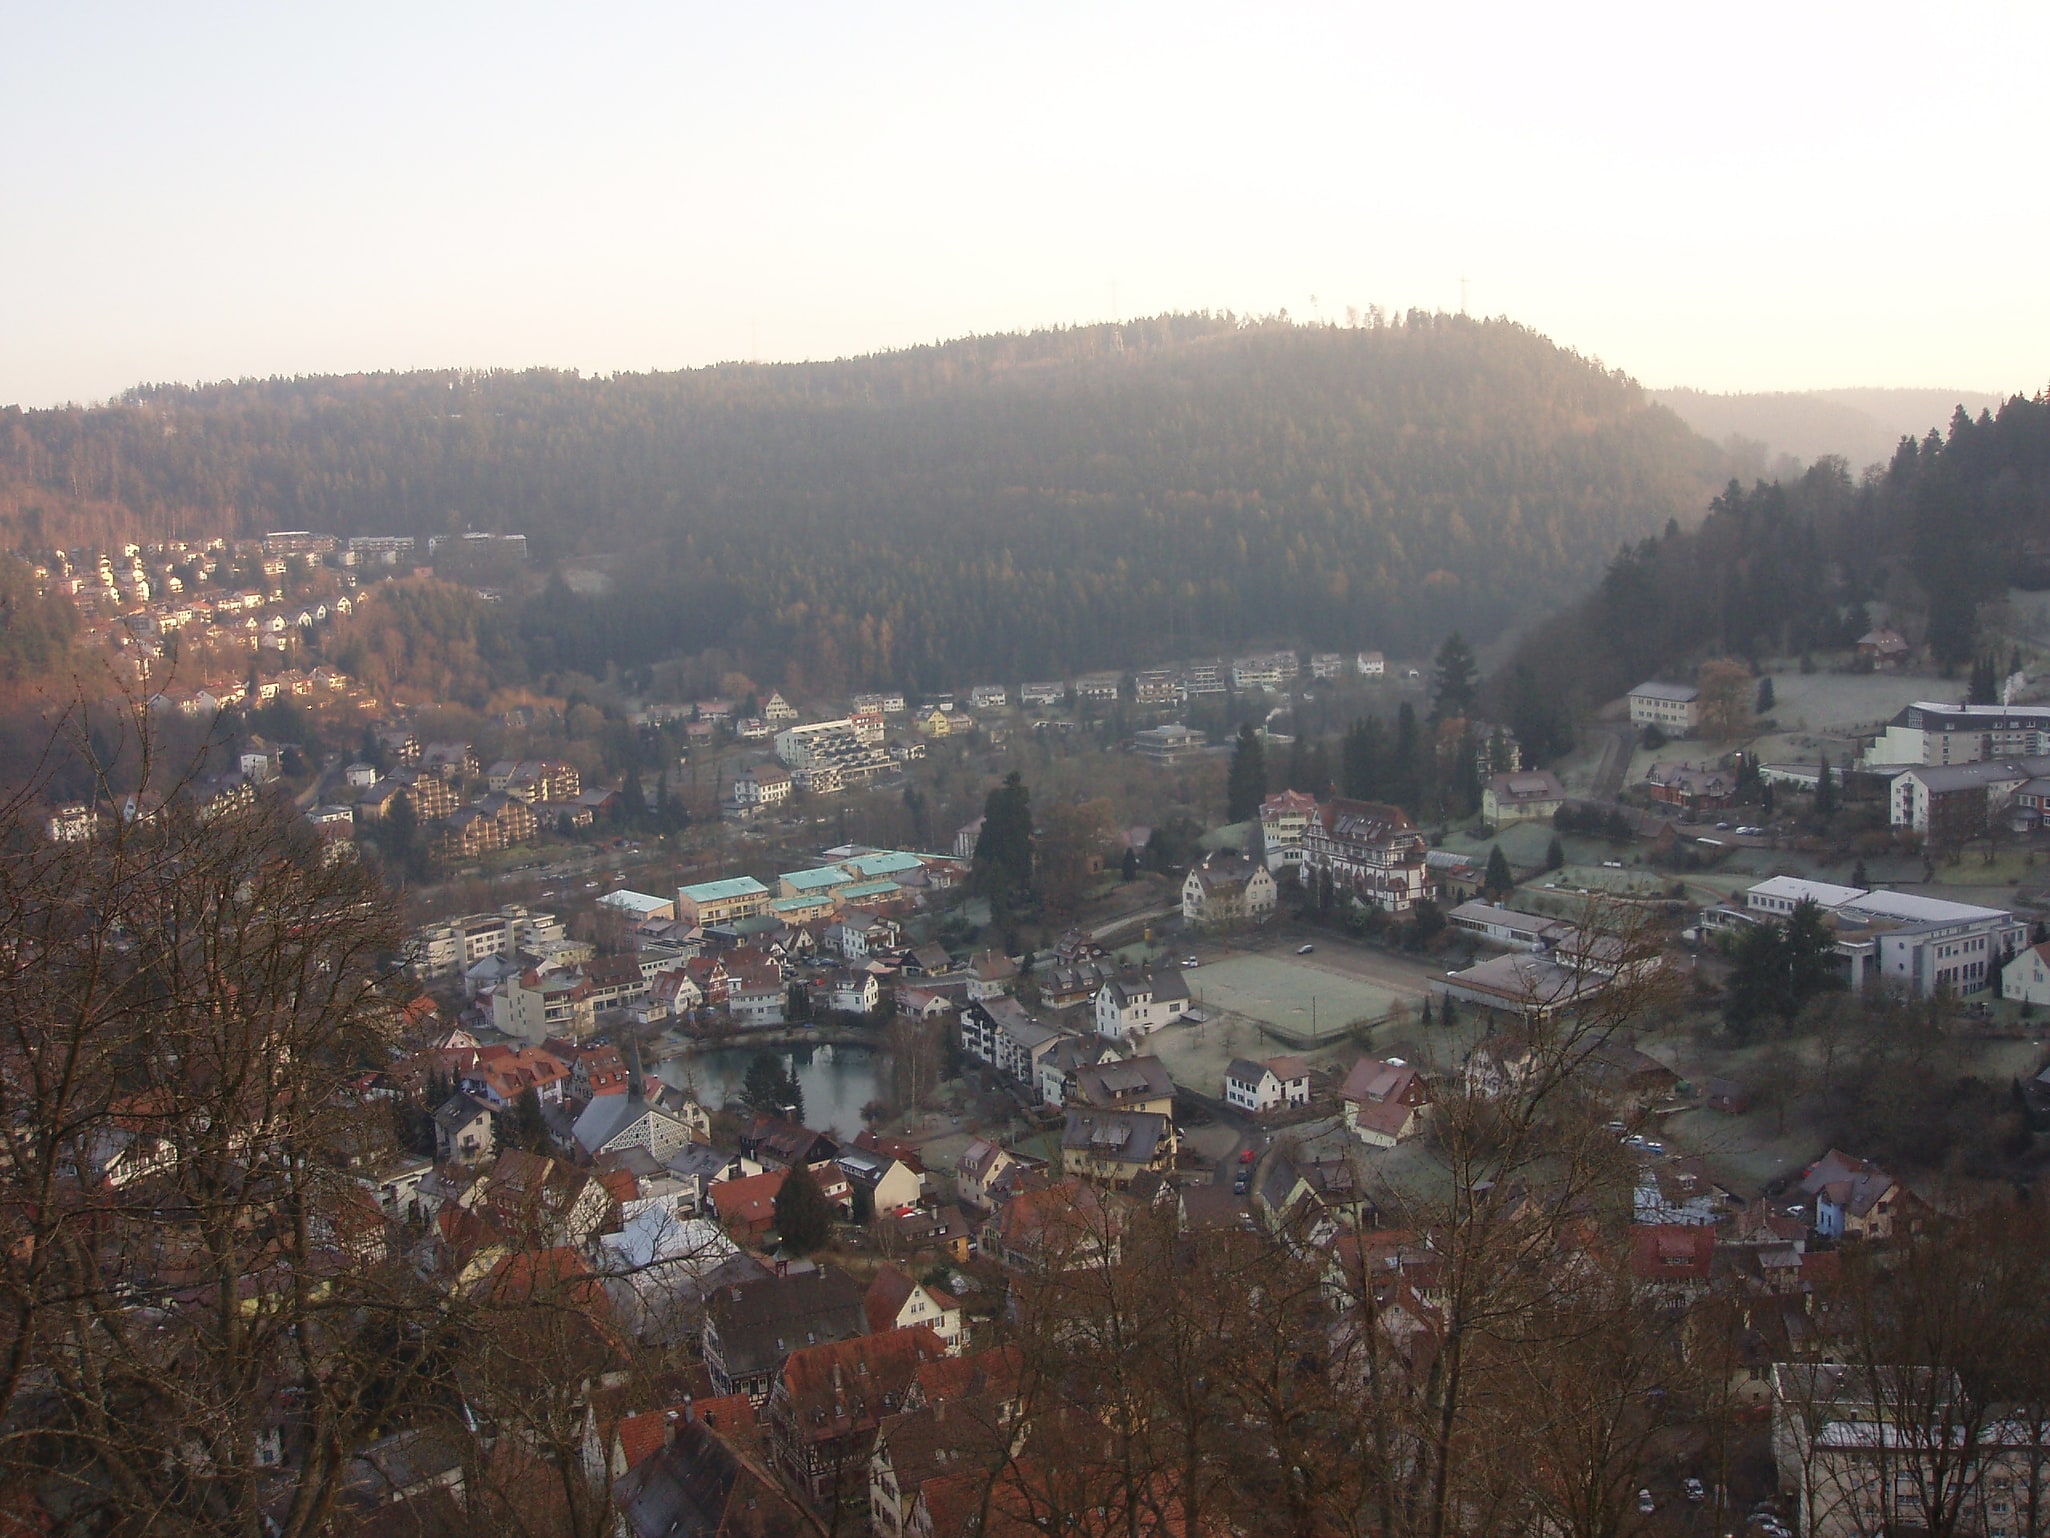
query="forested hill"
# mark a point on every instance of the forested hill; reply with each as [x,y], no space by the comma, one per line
[1808,564]
[1005,505]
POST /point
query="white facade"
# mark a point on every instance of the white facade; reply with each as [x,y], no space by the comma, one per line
[1129,1009]
[2026,979]
[1673,708]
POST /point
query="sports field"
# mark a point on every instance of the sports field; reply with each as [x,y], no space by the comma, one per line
[1289,992]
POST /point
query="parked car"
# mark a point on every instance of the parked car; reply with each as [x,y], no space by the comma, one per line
[1191,961]
[1300,950]
[1645,1504]
[1242,1184]
[1694,1490]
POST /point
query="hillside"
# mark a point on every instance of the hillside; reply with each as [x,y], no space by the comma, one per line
[1862,427]
[1011,504]
[1805,565]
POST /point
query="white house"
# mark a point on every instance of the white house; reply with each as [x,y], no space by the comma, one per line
[1132,1007]
[1227,889]
[896,1302]
[855,993]
[1256,1087]
[2026,979]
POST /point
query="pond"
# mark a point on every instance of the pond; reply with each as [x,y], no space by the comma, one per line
[837,1080]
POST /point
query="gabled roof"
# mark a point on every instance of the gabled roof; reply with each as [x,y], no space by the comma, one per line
[1118,1082]
[849,1385]
[1367,822]
[1856,1185]
[759,1322]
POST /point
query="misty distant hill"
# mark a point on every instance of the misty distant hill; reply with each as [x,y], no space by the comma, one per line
[1004,506]
[1862,426]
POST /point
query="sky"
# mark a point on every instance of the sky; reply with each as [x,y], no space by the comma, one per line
[1729,196]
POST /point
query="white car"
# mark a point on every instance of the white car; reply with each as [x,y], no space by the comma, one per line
[1191,961]
[1304,950]
[1645,1504]
[1694,1490]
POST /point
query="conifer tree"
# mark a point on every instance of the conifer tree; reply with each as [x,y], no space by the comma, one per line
[1499,878]
[1246,787]
[804,1221]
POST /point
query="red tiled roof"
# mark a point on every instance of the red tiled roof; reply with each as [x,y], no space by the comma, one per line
[749,1201]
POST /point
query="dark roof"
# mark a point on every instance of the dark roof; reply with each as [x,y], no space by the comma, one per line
[1128,1137]
[760,1323]
[1119,1082]
[699,1487]
[458,1111]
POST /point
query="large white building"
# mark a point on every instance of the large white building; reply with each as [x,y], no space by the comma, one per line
[1928,732]
[826,755]
[1904,940]
[1674,709]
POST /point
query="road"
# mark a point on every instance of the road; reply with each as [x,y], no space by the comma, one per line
[1608,778]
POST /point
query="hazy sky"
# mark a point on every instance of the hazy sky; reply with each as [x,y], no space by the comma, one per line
[1729,196]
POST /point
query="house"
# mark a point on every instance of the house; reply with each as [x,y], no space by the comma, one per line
[538,1201]
[1883,648]
[1114,1148]
[695,1484]
[1060,1227]
[888,1184]
[1674,709]
[535,1005]
[895,1302]
[1136,1004]
[1672,1262]
[746,1206]
[1133,1084]
[990,974]
[751,1327]
[778,711]
[830,1399]
[1313,1201]
[1854,1198]
[1258,1087]
[1226,889]
[1057,1069]
[463,1131]
[1384,1101]
[1691,786]
[1529,795]
[978,1169]
[779,1143]
[2026,979]
[1727,1096]
[498,1075]
[756,994]
[1284,821]
[762,785]
[1371,665]
[1370,851]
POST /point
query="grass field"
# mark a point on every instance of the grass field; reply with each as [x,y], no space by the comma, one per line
[1243,994]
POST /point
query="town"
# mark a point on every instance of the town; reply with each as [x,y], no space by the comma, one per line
[819,1143]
